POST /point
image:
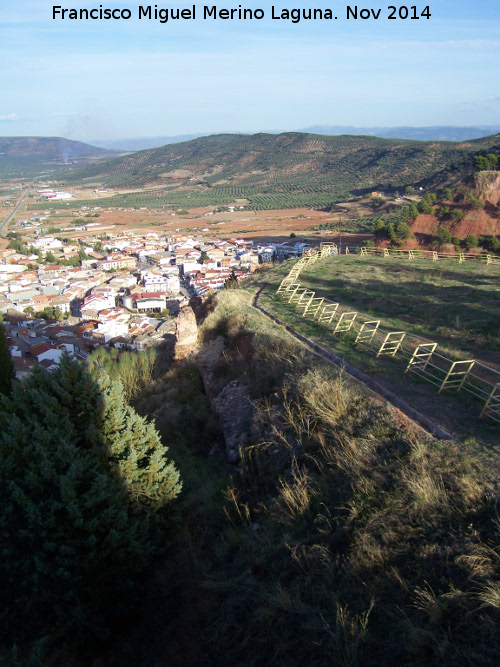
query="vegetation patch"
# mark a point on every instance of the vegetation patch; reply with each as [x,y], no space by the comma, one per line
[344,536]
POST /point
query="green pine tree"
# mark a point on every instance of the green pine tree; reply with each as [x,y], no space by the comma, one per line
[135,450]
[413,211]
[7,374]
[72,544]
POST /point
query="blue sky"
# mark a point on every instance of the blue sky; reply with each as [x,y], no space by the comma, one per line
[114,79]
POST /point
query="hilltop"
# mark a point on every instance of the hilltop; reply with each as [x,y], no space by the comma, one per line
[473,209]
[359,161]
[440,133]
[436,133]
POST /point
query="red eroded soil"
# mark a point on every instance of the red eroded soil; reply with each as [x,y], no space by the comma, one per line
[479,223]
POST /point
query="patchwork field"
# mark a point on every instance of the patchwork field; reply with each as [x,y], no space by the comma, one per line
[275,225]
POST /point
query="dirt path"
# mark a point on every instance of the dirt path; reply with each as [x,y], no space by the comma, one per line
[372,385]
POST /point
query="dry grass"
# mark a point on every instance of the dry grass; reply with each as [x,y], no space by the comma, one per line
[329,399]
[427,491]
[294,496]
[340,539]
[489,595]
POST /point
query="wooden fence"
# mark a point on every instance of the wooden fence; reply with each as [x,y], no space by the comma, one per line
[421,355]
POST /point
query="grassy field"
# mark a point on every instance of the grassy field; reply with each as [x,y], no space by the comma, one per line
[453,305]
[343,537]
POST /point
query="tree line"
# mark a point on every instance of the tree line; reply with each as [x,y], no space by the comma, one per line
[488,162]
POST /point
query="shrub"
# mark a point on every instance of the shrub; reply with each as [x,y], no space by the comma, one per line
[491,243]
[471,241]
[444,236]
[379,228]
[474,203]
[444,212]
[399,232]
[457,215]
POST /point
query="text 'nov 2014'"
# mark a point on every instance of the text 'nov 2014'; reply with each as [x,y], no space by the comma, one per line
[239,13]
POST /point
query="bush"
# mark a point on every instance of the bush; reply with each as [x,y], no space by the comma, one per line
[490,243]
[444,212]
[457,215]
[474,203]
[444,236]
[399,232]
[488,162]
[425,207]
[379,228]
[471,241]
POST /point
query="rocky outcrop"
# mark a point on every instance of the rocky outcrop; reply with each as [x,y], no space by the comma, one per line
[186,333]
[485,185]
[232,403]
[208,358]
[235,411]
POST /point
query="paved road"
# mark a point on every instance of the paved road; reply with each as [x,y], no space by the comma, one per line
[13,212]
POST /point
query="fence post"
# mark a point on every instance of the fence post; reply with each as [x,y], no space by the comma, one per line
[312,304]
[421,356]
[346,320]
[449,380]
[492,406]
[327,313]
[371,329]
[391,344]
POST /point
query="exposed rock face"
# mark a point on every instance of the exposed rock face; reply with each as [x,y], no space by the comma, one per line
[486,186]
[232,403]
[186,333]
[207,358]
[235,413]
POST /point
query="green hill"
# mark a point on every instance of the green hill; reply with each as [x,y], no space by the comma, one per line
[285,170]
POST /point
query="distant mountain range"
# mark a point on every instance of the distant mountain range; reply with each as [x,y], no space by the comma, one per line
[34,153]
[146,142]
[438,133]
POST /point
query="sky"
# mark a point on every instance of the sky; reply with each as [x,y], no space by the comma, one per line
[111,79]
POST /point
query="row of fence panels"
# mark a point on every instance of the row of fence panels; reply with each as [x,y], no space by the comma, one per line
[422,355]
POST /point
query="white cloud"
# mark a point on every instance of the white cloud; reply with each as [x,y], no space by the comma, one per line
[10,116]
